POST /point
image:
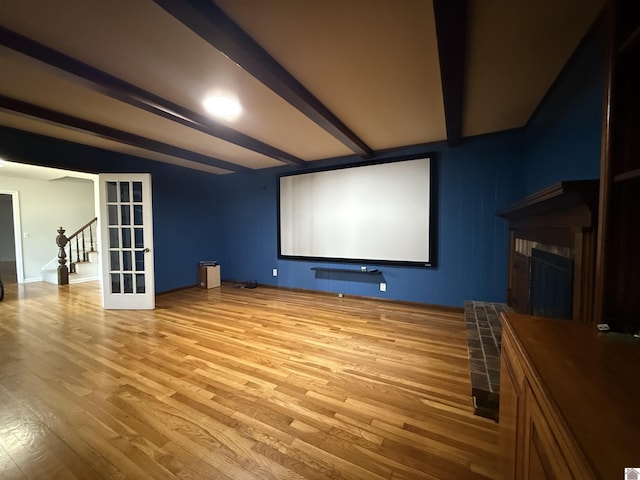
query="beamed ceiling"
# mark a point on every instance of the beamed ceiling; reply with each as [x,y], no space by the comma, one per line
[316,79]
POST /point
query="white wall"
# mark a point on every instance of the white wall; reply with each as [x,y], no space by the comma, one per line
[44,207]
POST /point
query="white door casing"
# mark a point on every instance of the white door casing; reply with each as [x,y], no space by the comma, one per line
[126,233]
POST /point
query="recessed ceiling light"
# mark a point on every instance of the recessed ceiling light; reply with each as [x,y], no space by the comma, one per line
[223,107]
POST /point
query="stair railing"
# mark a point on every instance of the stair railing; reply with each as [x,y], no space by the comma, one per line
[81,252]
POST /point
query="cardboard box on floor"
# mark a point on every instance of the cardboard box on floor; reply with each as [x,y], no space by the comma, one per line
[209,276]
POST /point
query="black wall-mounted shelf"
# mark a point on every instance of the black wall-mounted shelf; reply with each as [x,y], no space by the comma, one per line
[346,270]
[372,276]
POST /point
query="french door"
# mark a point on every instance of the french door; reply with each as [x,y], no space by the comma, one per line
[126,232]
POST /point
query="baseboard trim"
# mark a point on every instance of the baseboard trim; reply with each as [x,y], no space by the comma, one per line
[445,308]
[33,280]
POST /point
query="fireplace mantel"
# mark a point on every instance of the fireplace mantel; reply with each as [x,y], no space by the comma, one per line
[562,218]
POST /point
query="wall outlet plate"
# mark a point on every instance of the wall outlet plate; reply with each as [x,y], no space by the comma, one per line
[383,287]
[274,272]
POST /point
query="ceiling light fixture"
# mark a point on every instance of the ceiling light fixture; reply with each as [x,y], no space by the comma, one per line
[223,107]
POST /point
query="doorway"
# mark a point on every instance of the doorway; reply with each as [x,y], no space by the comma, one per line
[8,244]
[36,217]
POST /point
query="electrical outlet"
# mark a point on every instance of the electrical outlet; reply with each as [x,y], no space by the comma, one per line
[383,287]
[274,272]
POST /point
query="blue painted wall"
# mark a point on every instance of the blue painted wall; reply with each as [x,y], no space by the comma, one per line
[185,202]
[562,140]
[473,182]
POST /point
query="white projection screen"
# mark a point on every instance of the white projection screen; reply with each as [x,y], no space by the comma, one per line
[376,212]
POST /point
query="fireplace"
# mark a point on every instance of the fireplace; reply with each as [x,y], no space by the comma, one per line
[551,284]
[552,253]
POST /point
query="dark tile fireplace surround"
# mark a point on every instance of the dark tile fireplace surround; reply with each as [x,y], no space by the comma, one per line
[551,273]
[551,296]
[483,339]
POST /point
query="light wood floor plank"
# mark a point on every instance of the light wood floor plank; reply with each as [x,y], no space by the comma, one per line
[235,384]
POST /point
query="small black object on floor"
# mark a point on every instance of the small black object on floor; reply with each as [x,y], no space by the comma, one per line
[248,284]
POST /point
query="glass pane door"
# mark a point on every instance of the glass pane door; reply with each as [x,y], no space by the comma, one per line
[128,266]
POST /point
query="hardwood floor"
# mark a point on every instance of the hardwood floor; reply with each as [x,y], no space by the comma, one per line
[235,384]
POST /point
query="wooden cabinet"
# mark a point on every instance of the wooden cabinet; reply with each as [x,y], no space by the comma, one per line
[569,401]
[529,447]
[511,384]
[569,395]
[618,254]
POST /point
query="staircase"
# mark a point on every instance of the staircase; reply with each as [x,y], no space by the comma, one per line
[85,271]
[82,257]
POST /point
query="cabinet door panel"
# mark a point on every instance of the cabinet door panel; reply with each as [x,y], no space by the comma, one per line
[507,439]
[536,468]
[542,454]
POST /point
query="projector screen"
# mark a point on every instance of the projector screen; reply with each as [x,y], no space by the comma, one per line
[377,213]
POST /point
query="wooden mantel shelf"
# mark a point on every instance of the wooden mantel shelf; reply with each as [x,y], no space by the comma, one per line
[559,196]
